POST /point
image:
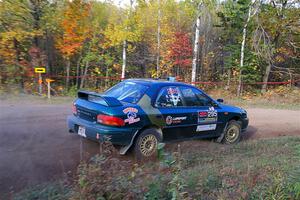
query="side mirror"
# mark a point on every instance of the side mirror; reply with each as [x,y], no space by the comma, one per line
[220,100]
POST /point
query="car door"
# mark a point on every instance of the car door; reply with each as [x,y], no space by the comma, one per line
[178,119]
[205,121]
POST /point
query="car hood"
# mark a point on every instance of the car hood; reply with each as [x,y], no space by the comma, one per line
[230,108]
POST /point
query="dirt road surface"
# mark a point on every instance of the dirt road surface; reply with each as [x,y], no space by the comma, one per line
[36,147]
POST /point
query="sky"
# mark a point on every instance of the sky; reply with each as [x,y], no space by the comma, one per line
[122,3]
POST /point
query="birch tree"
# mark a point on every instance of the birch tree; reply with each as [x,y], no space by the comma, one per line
[196,46]
[123,32]
[124,56]
[251,12]
[158,41]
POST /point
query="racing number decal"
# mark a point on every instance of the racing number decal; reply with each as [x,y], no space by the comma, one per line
[212,113]
[208,116]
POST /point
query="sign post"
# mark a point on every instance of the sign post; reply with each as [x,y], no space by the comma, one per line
[40,71]
[49,87]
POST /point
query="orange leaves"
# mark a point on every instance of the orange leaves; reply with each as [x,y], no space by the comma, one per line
[75,26]
[180,51]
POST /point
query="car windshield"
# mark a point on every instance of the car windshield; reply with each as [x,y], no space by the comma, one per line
[127,91]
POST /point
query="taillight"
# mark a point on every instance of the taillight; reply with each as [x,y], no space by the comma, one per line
[110,120]
[74,109]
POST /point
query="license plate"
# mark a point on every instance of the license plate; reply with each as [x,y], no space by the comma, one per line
[81,131]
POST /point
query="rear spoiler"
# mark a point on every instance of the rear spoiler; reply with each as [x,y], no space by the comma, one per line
[99,98]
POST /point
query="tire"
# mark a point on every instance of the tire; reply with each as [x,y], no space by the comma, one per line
[146,144]
[233,132]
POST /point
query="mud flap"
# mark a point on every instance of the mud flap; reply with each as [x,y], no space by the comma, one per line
[124,149]
[220,138]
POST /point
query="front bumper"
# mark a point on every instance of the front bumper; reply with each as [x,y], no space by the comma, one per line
[116,135]
[245,123]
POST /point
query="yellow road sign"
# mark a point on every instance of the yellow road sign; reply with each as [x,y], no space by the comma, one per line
[40,70]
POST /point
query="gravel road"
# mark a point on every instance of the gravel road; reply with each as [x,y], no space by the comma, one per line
[35,146]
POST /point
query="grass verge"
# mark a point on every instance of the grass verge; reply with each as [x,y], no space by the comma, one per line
[257,169]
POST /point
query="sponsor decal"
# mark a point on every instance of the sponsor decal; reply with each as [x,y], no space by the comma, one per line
[172,91]
[207,120]
[174,120]
[173,96]
[130,109]
[209,127]
[202,114]
[131,115]
[208,116]
[169,120]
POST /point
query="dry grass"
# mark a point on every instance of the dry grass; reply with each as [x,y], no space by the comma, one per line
[257,169]
[280,98]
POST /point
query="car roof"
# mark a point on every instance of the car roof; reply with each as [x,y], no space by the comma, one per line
[160,82]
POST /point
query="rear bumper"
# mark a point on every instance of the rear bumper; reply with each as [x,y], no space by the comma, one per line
[245,123]
[116,135]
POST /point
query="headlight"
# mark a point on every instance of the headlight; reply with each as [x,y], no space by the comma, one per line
[244,113]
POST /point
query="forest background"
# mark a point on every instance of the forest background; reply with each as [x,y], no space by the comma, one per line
[237,45]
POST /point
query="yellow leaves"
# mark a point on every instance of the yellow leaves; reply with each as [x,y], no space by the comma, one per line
[211,54]
[130,48]
[7,43]
[247,96]
[18,34]
[279,58]
[123,26]
[97,70]
[235,72]
[116,34]
[116,66]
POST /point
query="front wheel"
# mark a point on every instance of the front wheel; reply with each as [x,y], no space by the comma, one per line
[233,133]
[146,144]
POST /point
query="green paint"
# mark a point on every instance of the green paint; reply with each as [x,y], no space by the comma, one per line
[145,104]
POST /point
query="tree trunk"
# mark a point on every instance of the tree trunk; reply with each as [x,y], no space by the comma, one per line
[49,52]
[106,78]
[266,78]
[196,48]
[68,73]
[77,70]
[16,47]
[227,87]
[85,73]
[36,15]
[158,42]
[124,59]
[240,86]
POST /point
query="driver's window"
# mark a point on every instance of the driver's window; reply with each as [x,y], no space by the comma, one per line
[169,97]
[193,97]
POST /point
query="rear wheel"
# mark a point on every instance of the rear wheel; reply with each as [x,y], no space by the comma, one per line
[233,132]
[146,144]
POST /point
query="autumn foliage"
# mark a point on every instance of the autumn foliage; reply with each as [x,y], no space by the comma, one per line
[180,51]
[88,44]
